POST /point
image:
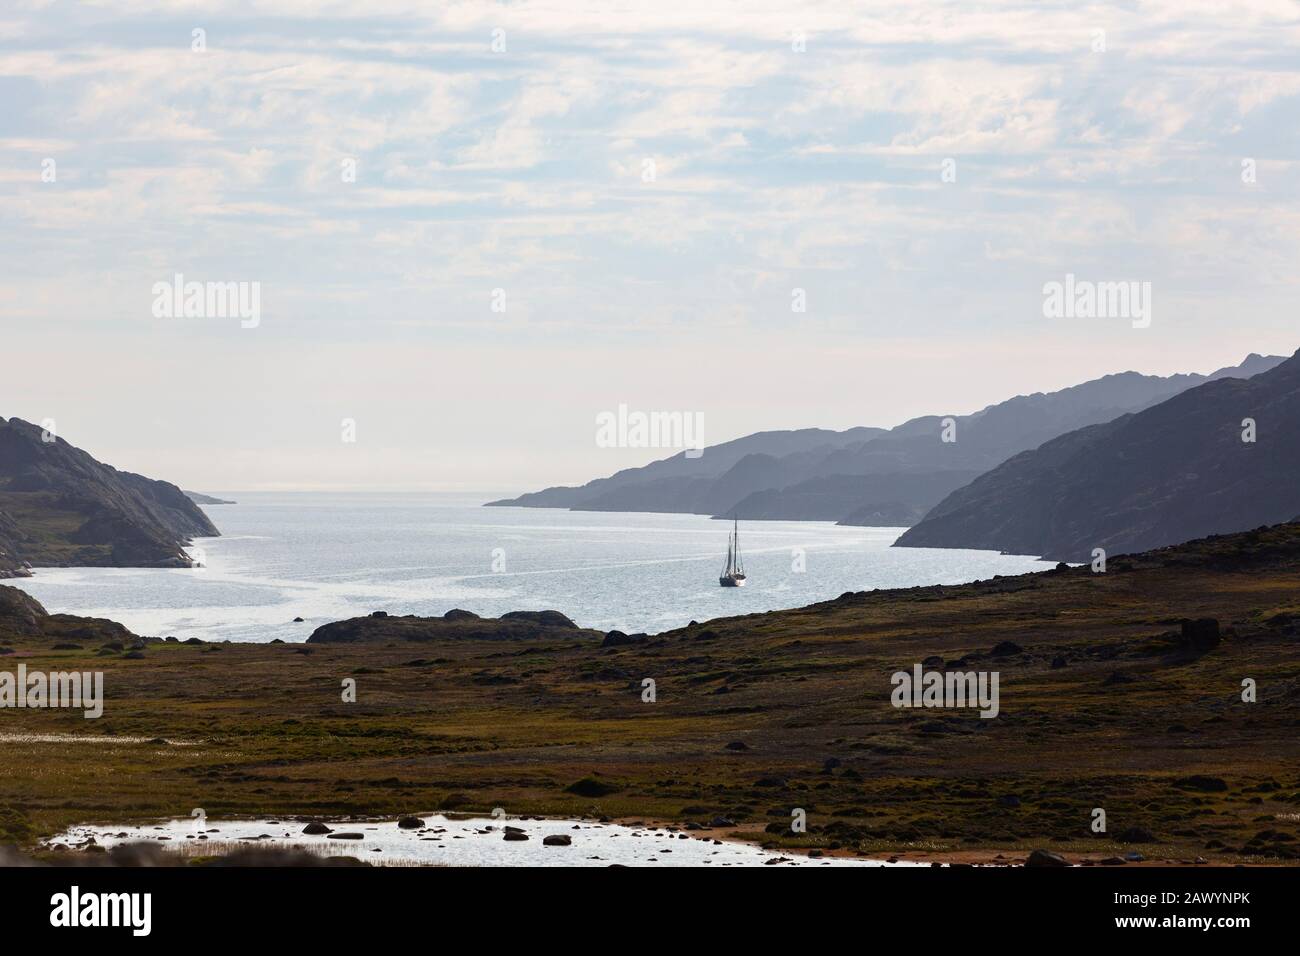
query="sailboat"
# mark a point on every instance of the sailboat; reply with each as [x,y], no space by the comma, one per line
[733,575]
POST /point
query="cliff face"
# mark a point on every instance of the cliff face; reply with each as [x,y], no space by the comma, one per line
[1176,471]
[61,507]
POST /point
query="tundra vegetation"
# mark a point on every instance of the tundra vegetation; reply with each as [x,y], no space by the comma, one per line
[1121,690]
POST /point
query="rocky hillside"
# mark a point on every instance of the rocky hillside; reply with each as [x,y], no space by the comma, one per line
[383,628]
[61,507]
[1177,471]
[23,617]
[868,476]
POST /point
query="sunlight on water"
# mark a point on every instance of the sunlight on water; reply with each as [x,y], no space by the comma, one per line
[326,557]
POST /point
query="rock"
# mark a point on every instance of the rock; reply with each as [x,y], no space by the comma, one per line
[591,787]
[379,614]
[1113,861]
[545,618]
[1135,835]
[1117,677]
[557,839]
[316,828]
[721,822]
[297,620]
[737,745]
[1046,858]
[830,763]
[934,660]
[1005,649]
[456,614]
[410,823]
[619,639]
[1008,800]
[66,647]
[1058,662]
[1202,783]
[515,836]
[347,836]
[1200,635]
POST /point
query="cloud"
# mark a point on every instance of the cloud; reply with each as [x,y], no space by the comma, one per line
[776,165]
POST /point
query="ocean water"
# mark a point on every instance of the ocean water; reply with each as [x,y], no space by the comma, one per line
[326,557]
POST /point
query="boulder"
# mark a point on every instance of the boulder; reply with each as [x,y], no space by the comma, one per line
[1200,635]
[619,639]
[316,828]
[1203,783]
[1135,835]
[1046,858]
[410,823]
[545,618]
[591,787]
[557,839]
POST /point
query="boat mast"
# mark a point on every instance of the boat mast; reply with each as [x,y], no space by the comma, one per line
[736,532]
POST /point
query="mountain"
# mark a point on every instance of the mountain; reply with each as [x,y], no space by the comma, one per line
[202,499]
[61,507]
[677,480]
[868,476]
[1176,471]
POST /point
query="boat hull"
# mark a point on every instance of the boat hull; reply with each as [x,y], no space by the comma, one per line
[731,582]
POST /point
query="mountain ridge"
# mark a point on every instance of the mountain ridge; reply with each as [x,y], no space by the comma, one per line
[1174,471]
[808,474]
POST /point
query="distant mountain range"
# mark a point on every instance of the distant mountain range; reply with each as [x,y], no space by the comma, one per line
[1176,471]
[61,507]
[201,499]
[868,476]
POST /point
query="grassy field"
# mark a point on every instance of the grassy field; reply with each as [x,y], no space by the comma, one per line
[754,717]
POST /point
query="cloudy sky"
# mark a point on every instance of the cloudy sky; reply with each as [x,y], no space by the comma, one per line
[646,184]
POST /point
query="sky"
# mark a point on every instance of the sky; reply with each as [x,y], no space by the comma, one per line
[476,227]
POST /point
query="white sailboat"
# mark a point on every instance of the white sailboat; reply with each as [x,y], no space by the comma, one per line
[733,575]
